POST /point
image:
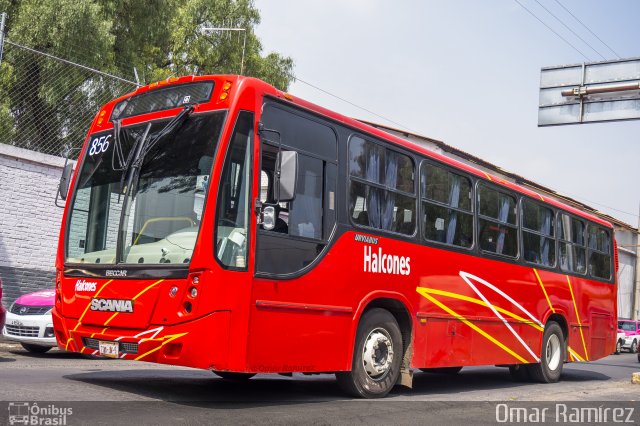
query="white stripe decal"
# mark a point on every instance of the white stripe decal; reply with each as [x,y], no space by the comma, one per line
[465,276]
[490,305]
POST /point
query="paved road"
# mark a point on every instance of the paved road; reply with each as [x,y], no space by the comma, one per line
[149,393]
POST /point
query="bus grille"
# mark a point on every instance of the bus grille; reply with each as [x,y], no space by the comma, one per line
[22,331]
[124,347]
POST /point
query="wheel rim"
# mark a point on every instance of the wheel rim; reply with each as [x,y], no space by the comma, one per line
[377,354]
[552,352]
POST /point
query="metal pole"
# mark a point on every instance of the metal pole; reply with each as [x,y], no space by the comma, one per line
[635,296]
[3,19]
[244,44]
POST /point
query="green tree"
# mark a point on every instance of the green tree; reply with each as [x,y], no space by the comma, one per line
[45,104]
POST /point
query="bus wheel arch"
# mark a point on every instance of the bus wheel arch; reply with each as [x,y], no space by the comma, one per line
[552,354]
[397,309]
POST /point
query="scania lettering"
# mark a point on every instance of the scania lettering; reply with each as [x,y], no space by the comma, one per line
[112,305]
[232,227]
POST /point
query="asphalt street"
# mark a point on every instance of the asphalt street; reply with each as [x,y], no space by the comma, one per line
[122,392]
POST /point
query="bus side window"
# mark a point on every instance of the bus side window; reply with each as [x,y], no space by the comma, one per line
[382,193]
[538,234]
[446,205]
[599,244]
[572,253]
[497,226]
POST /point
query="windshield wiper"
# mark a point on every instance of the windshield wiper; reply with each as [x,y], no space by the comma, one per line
[142,148]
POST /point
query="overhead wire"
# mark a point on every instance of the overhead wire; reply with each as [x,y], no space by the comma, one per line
[351,103]
[569,28]
[587,28]
[553,31]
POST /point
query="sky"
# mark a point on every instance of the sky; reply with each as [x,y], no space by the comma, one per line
[468,73]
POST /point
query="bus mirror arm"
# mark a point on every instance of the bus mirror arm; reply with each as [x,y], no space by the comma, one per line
[65,179]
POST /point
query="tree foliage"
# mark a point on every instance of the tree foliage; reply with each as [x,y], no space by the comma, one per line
[45,103]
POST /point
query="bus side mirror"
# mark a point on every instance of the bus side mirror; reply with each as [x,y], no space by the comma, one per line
[287,164]
[65,180]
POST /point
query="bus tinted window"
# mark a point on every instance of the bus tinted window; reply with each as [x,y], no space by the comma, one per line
[448,188]
[496,205]
[379,179]
[446,206]
[572,253]
[537,235]
[599,241]
[571,229]
[497,229]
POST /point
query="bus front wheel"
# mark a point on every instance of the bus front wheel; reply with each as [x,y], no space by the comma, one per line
[377,356]
[549,369]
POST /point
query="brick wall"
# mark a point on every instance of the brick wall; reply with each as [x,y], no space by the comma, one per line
[29,220]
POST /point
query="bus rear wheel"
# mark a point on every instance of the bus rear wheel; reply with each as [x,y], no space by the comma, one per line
[377,356]
[235,377]
[442,370]
[549,369]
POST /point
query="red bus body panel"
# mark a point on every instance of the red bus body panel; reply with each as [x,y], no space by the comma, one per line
[463,309]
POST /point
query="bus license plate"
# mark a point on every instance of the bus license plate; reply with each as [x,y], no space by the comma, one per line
[108,349]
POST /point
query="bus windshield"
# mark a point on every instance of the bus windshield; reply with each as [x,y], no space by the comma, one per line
[156,220]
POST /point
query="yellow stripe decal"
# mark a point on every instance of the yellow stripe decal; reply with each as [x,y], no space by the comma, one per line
[134,298]
[169,339]
[546,296]
[471,325]
[487,175]
[575,307]
[575,355]
[482,303]
[89,305]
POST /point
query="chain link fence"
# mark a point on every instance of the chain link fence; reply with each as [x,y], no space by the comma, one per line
[46,102]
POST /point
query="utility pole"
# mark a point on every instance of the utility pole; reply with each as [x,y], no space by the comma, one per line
[244,41]
[3,19]
[635,314]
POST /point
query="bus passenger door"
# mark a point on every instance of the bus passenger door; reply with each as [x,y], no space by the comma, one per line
[284,335]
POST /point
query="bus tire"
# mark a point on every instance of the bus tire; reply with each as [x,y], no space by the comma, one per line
[442,370]
[520,372]
[549,369]
[233,376]
[377,356]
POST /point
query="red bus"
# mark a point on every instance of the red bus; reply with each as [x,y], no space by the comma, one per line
[216,222]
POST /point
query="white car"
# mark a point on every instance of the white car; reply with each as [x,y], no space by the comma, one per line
[29,321]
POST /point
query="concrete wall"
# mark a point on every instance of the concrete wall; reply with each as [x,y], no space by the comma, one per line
[29,220]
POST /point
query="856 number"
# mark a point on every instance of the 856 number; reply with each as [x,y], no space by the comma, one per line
[99,145]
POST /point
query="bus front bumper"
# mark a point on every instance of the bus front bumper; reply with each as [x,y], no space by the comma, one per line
[201,343]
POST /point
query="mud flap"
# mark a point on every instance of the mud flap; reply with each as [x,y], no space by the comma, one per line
[406,374]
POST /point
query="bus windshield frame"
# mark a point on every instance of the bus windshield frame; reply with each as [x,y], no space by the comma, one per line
[156,220]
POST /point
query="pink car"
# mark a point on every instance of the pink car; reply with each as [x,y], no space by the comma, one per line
[3,312]
[29,321]
[631,329]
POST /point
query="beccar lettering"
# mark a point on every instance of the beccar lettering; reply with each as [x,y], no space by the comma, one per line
[382,263]
[112,305]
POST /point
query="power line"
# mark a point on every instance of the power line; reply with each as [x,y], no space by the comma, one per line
[572,32]
[553,31]
[352,104]
[588,29]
